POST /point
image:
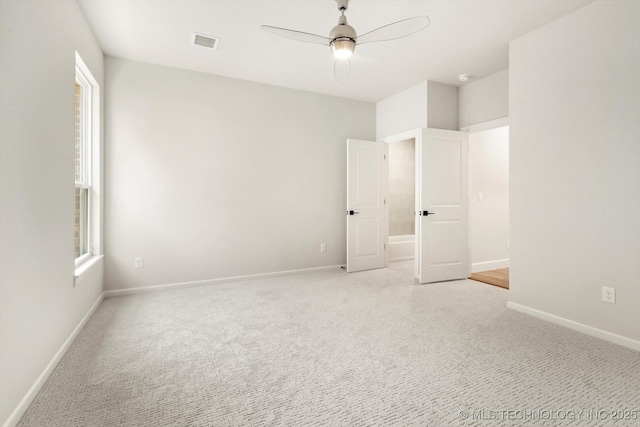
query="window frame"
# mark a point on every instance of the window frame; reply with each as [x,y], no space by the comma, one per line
[90,163]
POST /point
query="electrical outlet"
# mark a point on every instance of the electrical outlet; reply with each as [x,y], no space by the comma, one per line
[323,247]
[609,295]
[137,262]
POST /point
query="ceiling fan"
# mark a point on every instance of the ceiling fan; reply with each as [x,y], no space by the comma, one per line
[343,37]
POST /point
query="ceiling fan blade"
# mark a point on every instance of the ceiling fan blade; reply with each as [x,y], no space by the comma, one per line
[395,30]
[297,35]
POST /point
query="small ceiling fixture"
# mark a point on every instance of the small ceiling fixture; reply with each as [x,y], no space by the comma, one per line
[464,77]
[343,37]
[205,41]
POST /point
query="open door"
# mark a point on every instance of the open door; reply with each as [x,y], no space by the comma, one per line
[366,184]
[442,187]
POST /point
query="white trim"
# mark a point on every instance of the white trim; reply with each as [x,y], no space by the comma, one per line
[402,258]
[489,265]
[585,329]
[206,282]
[92,179]
[35,388]
[491,124]
[82,259]
[86,268]
[409,134]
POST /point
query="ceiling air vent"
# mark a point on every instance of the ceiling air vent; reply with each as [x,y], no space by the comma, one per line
[205,41]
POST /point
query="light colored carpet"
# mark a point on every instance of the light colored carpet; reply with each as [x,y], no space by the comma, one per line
[332,348]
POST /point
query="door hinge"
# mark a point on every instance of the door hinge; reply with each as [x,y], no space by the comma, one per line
[385,246]
[385,157]
[385,201]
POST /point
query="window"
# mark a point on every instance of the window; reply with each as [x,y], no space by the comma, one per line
[86,164]
[83,183]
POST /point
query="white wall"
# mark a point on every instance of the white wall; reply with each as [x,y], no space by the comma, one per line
[39,307]
[442,106]
[210,177]
[484,99]
[575,169]
[489,217]
[403,111]
[427,104]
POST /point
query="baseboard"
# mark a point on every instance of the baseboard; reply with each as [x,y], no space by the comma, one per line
[155,288]
[35,388]
[589,330]
[489,265]
[401,259]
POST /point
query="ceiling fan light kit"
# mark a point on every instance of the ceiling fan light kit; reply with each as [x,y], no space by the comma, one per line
[343,38]
[342,48]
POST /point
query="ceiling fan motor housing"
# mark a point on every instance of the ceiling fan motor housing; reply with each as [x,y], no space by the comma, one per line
[343,39]
[343,30]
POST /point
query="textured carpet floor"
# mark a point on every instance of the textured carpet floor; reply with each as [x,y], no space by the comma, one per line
[332,348]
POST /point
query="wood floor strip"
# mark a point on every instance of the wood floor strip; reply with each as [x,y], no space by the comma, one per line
[498,277]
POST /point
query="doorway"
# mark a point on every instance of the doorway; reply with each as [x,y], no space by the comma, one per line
[440,205]
[401,199]
[489,201]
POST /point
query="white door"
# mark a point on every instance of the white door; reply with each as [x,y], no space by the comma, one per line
[443,232]
[366,185]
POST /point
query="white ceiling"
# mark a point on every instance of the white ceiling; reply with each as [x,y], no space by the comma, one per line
[465,36]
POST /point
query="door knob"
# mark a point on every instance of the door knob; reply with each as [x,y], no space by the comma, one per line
[426,213]
[352,213]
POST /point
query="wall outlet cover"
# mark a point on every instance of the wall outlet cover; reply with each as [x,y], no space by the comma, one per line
[609,294]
